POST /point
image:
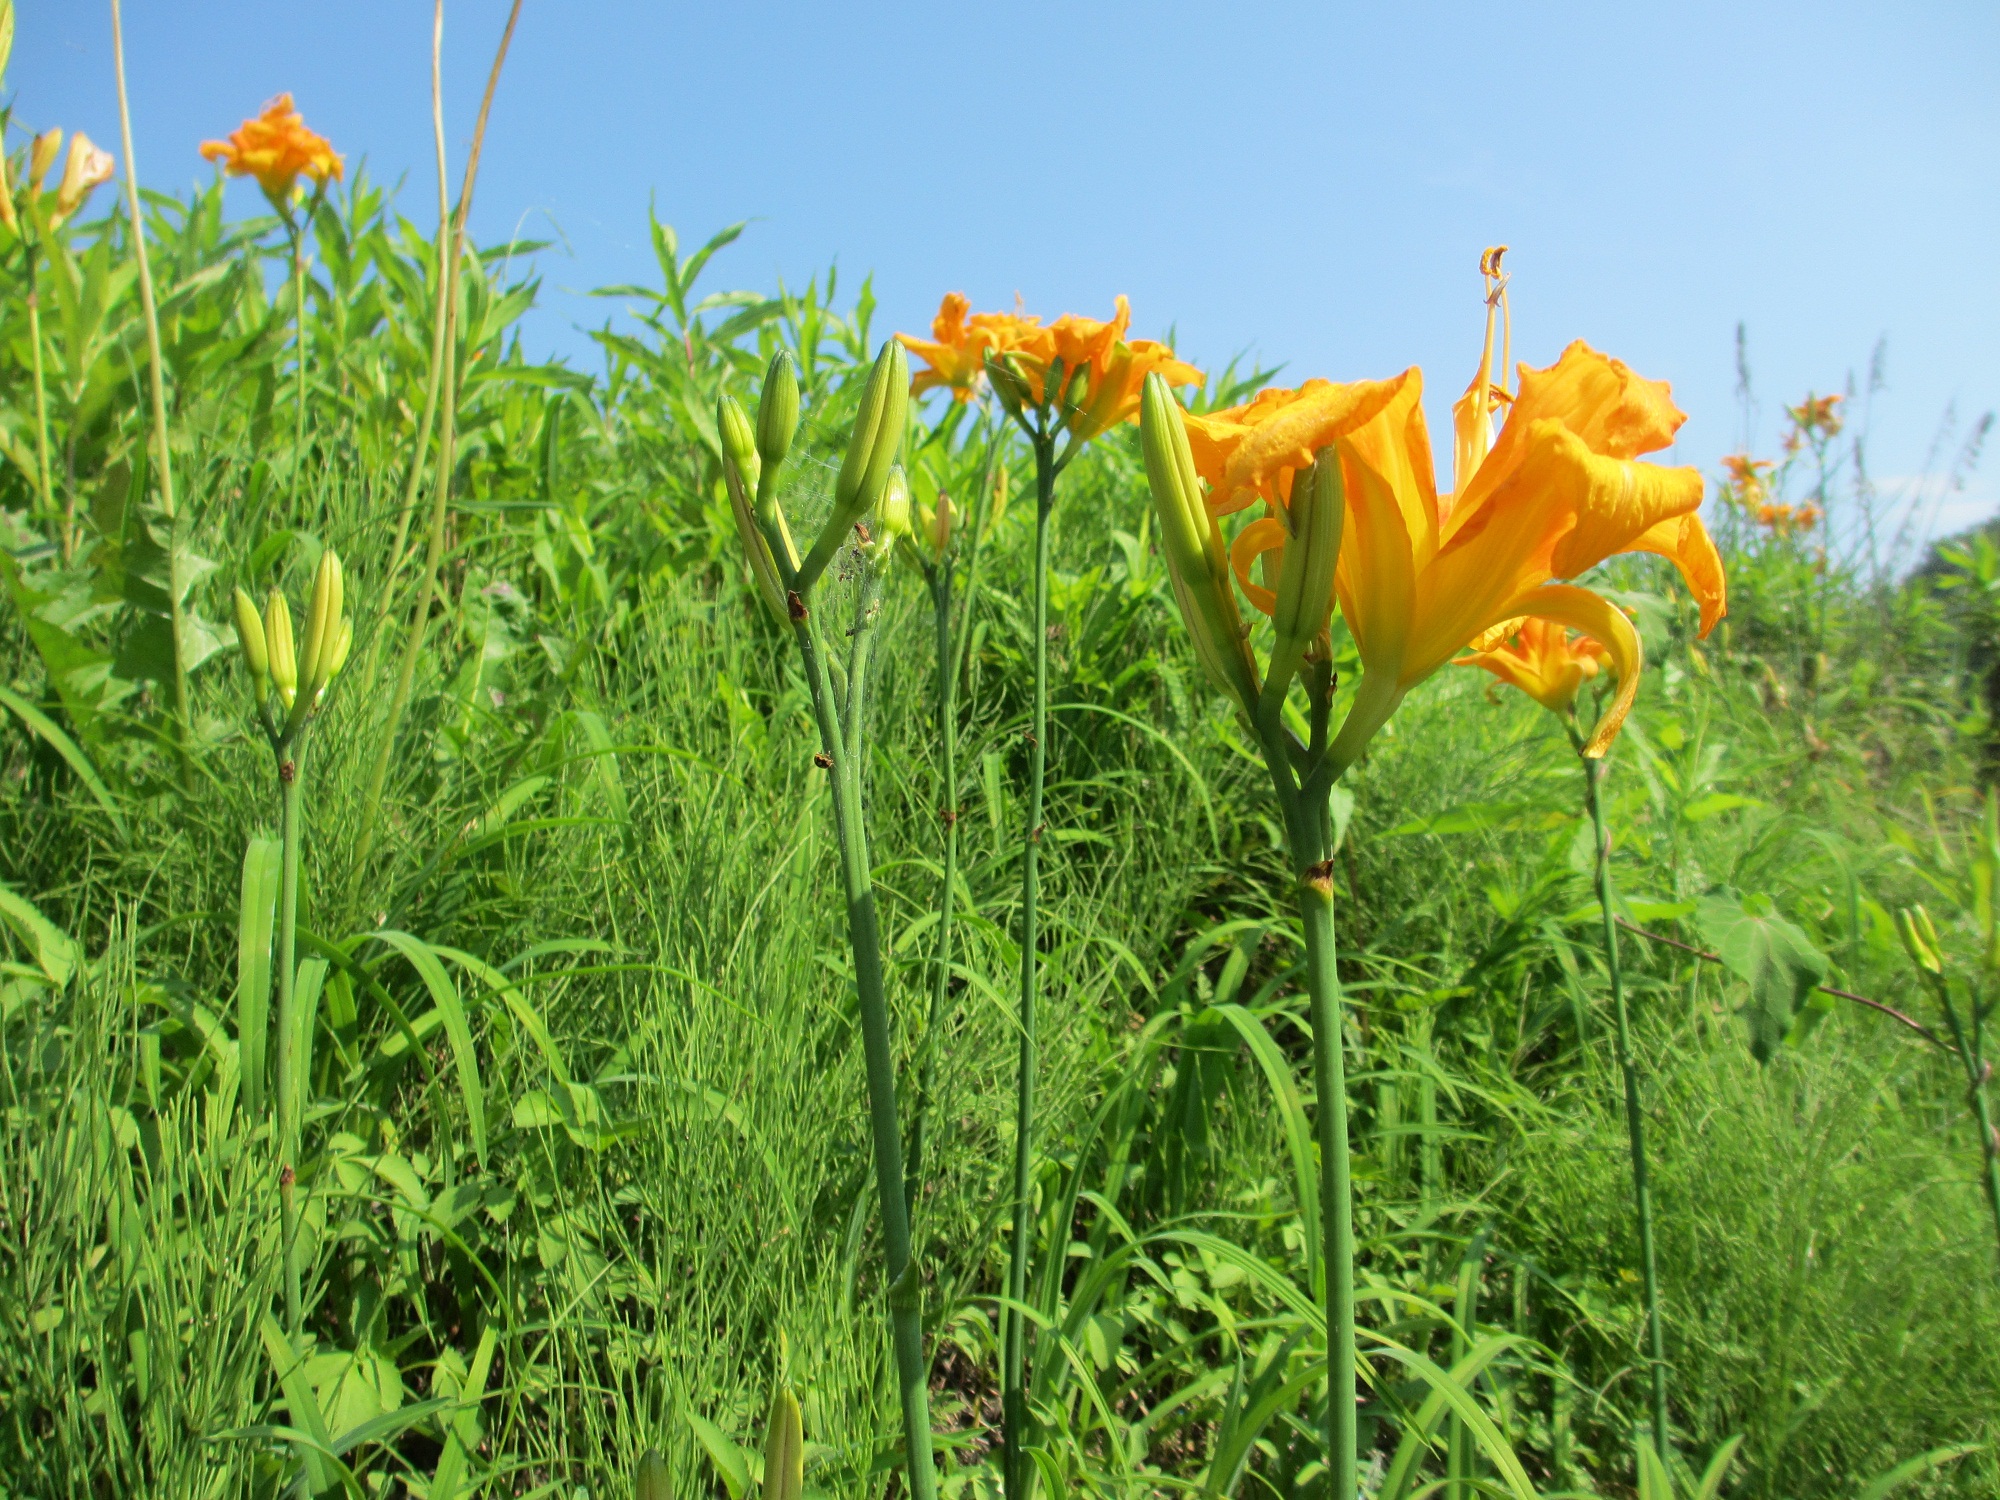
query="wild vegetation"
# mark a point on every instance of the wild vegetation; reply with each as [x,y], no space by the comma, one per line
[487,1092]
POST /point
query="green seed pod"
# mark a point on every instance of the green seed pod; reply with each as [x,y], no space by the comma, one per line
[1305,579]
[739,442]
[785,1449]
[278,644]
[1196,565]
[778,409]
[650,1479]
[250,633]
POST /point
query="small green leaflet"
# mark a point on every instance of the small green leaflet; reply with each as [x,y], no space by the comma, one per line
[1774,958]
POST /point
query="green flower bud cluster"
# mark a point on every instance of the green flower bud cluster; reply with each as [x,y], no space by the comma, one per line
[299,673]
[869,483]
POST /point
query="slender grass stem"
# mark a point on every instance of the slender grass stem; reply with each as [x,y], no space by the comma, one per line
[33,251]
[903,1296]
[156,381]
[413,648]
[940,585]
[1635,1125]
[287,1084]
[1017,1474]
[297,233]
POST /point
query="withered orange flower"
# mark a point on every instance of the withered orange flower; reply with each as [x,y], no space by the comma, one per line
[1421,573]
[86,169]
[1101,372]
[277,149]
[1541,658]
[1786,519]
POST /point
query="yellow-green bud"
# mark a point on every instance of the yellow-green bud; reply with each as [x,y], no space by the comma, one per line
[651,1479]
[877,435]
[892,510]
[1913,925]
[785,1448]
[250,635]
[739,443]
[322,624]
[1077,392]
[6,36]
[1305,577]
[42,155]
[343,644]
[1192,546]
[938,525]
[278,644]
[778,409]
[871,449]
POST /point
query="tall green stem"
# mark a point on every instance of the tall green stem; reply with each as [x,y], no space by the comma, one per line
[1308,836]
[299,312]
[287,1084]
[1014,1397]
[453,246]
[156,381]
[1635,1125]
[947,682]
[906,1328]
[1970,1054]
[33,250]
[1336,1187]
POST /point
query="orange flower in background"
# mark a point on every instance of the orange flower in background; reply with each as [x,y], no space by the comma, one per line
[1540,658]
[1101,373]
[277,149]
[1816,415]
[1786,519]
[1421,574]
[1749,478]
[957,349]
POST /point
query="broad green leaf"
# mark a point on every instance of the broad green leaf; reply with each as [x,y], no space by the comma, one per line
[68,749]
[1775,960]
[53,949]
[256,912]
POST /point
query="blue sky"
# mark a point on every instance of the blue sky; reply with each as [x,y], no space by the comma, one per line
[1313,183]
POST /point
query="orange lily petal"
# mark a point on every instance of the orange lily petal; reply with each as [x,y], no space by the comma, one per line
[1603,621]
[1686,543]
[1265,534]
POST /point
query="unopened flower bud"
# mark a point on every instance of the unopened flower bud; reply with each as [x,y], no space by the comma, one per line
[892,512]
[1192,546]
[1913,925]
[1009,385]
[7,214]
[250,635]
[1077,393]
[341,646]
[778,409]
[739,442]
[785,1449]
[871,449]
[1305,579]
[86,169]
[41,156]
[939,525]
[323,617]
[278,644]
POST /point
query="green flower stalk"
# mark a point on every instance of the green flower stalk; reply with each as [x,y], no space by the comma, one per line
[869,487]
[1062,385]
[289,680]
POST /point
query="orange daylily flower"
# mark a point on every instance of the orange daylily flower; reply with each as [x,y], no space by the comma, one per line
[1541,658]
[1817,414]
[1749,478]
[1421,573]
[277,149]
[1115,368]
[1785,519]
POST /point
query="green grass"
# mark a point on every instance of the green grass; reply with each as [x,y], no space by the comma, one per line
[605,792]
